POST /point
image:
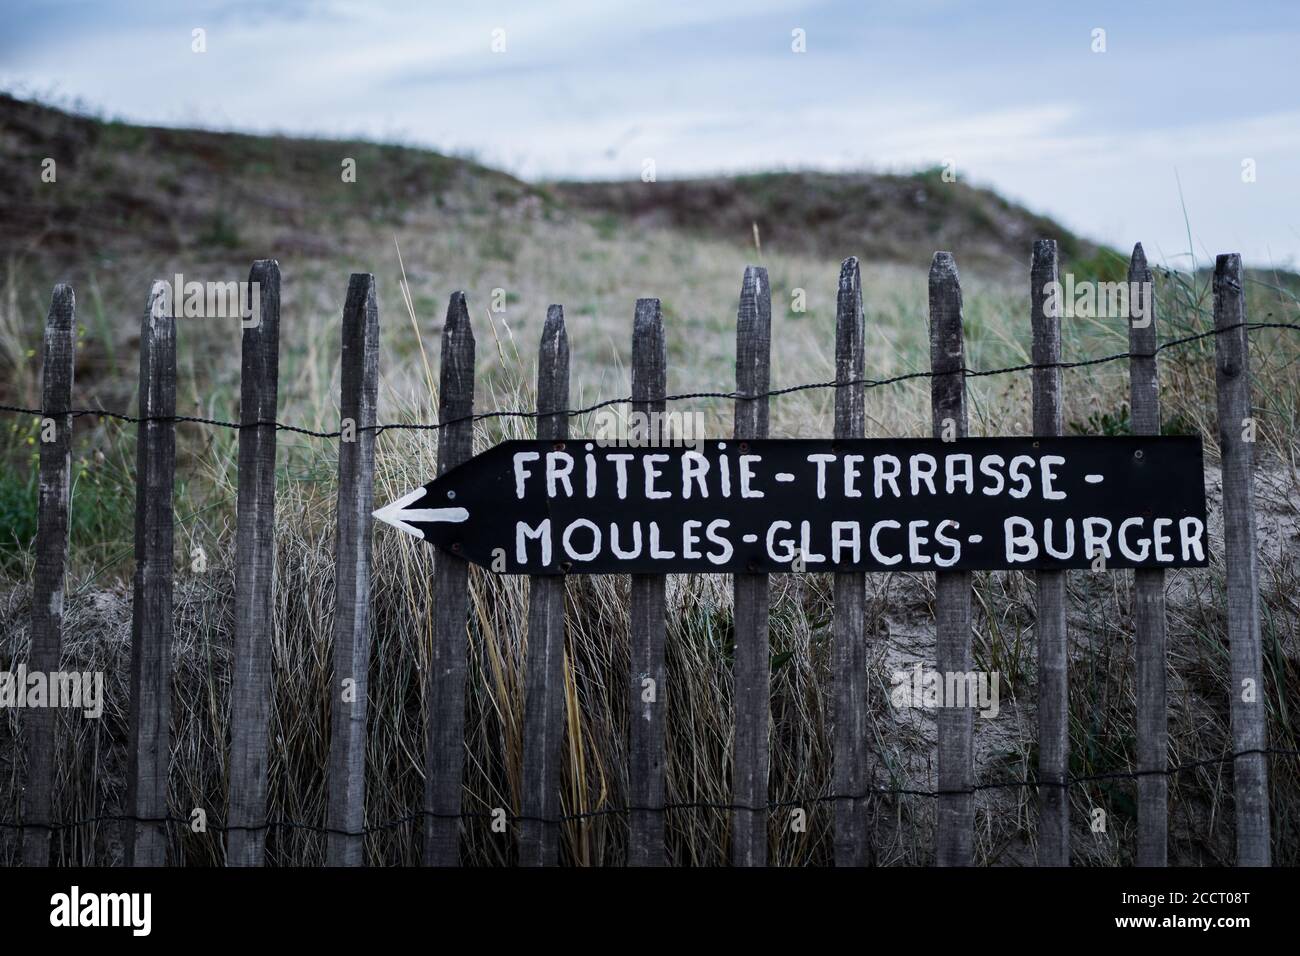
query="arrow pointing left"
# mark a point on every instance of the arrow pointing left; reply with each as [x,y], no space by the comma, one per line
[400,514]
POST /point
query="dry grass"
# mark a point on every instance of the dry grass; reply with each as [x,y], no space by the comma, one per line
[539,253]
[899,630]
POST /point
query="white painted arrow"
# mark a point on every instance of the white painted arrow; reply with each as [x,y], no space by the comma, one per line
[398,514]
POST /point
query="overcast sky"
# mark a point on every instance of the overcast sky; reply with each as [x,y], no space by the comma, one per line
[1012,93]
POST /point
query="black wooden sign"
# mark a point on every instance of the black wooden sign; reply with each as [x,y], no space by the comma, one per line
[582,507]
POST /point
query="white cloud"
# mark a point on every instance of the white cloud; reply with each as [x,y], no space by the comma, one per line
[588,89]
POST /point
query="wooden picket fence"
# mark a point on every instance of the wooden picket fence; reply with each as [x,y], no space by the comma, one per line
[146,810]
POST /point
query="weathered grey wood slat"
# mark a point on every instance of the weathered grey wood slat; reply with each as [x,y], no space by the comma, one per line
[350,690]
[1053,679]
[539,842]
[1248,707]
[751,672]
[149,736]
[849,626]
[647,702]
[41,723]
[250,678]
[1148,589]
[952,589]
[445,699]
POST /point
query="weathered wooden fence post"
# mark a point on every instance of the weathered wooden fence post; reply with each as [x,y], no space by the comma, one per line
[1237,430]
[752,668]
[850,592]
[57,364]
[952,589]
[647,682]
[539,831]
[1053,657]
[1148,586]
[445,700]
[350,690]
[250,678]
[149,746]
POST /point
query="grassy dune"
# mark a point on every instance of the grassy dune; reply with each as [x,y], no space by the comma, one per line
[132,203]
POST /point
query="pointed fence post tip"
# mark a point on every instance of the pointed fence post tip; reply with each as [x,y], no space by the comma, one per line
[943,264]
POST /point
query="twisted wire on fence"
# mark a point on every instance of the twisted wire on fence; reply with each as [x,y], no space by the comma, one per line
[789,802]
[683,396]
[870,792]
